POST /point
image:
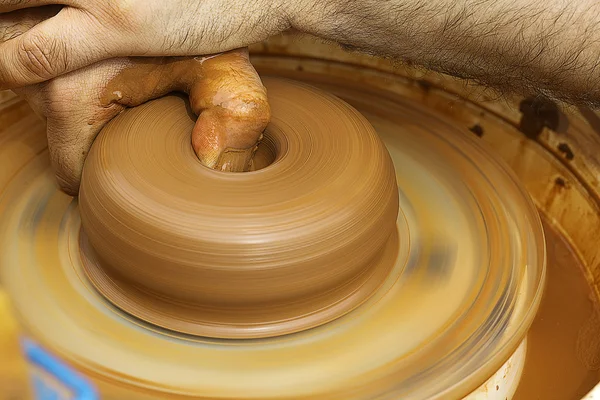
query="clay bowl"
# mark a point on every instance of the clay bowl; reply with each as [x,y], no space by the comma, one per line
[304,238]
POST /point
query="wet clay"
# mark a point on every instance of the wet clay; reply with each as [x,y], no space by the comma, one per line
[277,250]
[563,342]
[224,90]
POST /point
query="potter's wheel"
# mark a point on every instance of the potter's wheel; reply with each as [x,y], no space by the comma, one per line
[462,293]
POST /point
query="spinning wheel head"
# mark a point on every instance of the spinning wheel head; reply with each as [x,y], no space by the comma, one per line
[467,250]
[307,236]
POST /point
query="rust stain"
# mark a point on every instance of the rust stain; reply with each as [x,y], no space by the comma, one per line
[566,150]
[477,129]
[538,113]
[559,185]
[560,182]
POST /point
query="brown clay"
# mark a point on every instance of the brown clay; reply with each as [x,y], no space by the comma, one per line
[225,91]
[277,250]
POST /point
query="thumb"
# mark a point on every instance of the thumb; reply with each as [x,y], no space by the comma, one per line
[233,111]
[225,91]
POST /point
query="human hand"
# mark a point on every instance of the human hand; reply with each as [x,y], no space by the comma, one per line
[87,31]
[224,89]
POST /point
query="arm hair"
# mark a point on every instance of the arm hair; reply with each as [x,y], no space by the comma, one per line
[547,47]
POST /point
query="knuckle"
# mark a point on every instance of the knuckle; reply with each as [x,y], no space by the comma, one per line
[249,106]
[42,56]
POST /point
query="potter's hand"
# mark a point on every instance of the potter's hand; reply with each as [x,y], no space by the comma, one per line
[548,47]
[88,31]
[77,105]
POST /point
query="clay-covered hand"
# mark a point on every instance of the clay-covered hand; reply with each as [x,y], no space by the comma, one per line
[88,31]
[224,90]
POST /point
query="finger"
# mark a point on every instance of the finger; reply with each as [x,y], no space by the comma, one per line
[61,44]
[13,5]
[225,91]
[234,111]
[226,138]
[75,116]
[147,78]
[16,23]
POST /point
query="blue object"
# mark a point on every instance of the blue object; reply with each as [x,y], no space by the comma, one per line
[79,387]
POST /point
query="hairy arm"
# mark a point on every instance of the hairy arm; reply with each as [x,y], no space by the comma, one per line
[549,47]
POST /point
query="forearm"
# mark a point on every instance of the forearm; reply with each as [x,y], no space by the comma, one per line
[550,47]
